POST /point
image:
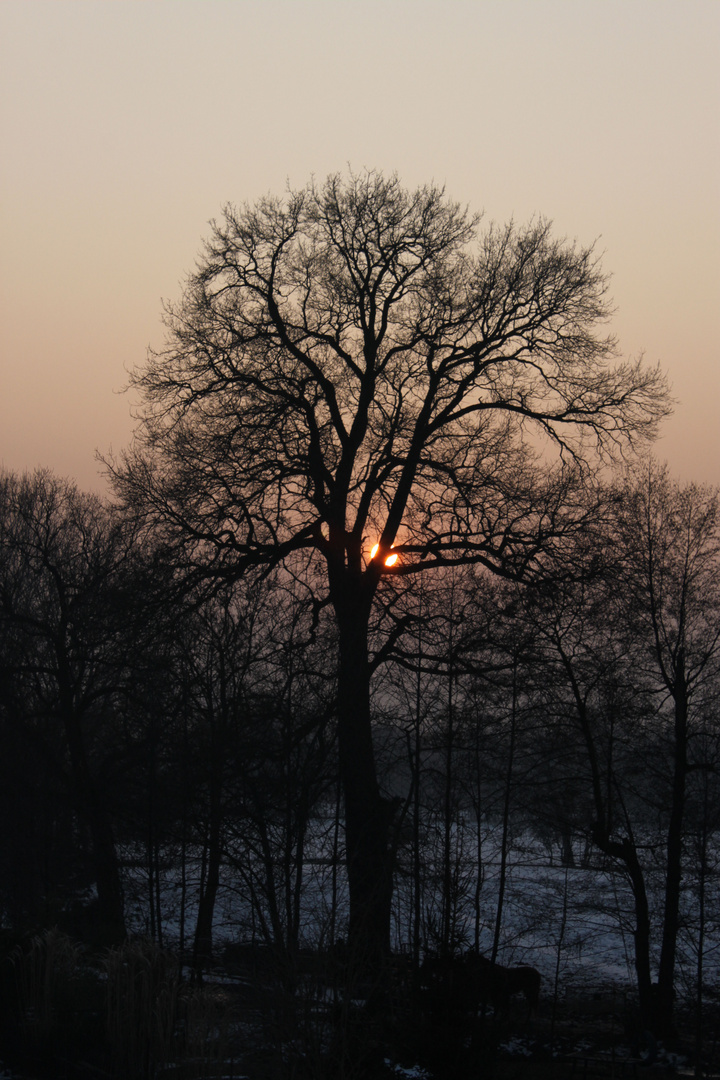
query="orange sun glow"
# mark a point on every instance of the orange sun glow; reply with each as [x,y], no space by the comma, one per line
[389,561]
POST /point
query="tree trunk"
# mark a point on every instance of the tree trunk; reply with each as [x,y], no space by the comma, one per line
[625,852]
[703,871]
[110,928]
[367,814]
[673,880]
[415,764]
[447,921]
[111,916]
[477,808]
[203,943]
[506,817]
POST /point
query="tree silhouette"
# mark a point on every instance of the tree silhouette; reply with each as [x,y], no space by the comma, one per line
[63,568]
[356,364]
[668,540]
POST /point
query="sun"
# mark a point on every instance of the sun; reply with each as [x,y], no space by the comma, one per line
[389,561]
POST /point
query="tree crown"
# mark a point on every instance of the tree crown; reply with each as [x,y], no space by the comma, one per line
[357,362]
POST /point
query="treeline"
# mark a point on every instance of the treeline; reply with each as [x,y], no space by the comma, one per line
[154,726]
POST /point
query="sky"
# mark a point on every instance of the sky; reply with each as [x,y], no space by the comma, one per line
[126,125]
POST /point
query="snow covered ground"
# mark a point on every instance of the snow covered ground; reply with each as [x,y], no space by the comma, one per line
[574,924]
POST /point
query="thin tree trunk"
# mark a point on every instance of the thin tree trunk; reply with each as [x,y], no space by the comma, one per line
[446,942]
[111,928]
[558,959]
[478,828]
[699,974]
[414,754]
[151,881]
[673,880]
[623,850]
[184,845]
[417,869]
[203,944]
[335,864]
[506,818]
[158,891]
[150,846]
[107,877]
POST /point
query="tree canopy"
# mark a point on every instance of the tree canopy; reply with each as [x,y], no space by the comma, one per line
[357,360]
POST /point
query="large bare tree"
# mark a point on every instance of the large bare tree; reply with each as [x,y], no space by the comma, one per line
[357,363]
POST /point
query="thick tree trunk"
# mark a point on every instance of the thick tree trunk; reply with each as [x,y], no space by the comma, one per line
[203,944]
[367,814]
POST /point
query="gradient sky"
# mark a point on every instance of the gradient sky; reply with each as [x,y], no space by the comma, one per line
[125,125]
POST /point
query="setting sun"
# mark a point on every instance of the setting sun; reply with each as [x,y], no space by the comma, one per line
[389,561]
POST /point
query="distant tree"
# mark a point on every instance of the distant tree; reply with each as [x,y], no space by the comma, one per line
[62,558]
[592,708]
[668,540]
[354,364]
[212,654]
[628,654]
[257,755]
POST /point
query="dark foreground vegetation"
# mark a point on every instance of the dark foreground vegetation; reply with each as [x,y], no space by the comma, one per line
[387,598]
[69,1013]
[174,889]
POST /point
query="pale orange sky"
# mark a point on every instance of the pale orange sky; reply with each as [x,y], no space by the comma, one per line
[126,124]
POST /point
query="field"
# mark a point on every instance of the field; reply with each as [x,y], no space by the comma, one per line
[573,923]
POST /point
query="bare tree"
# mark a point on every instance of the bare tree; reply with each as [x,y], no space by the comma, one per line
[669,538]
[631,653]
[356,363]
[62,560]
[581,654]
